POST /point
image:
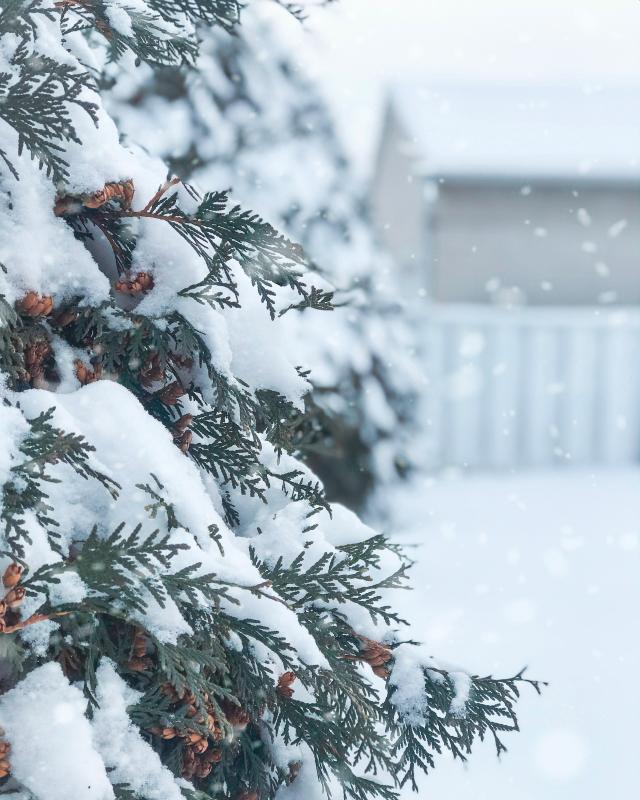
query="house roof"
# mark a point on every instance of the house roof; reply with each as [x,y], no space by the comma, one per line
[520,131]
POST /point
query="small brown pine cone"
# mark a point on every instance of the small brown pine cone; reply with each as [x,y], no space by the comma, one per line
[200,746]
[188,697]
[139,646]
[203,769]
[164,733]
[212,724]
[45,307]
[377,659]
[66,317]
[170,691]
[381,672]
[12,575]
[15,596]
[240,719]
[248,795]
[35,305]
[29,302]
[191,737]
[284,687]
[128,190]
[135,284]
[140,649]
[152,371]
[34,356]
[137,664]
[374,653]
[3,608]
[184,442]
[121,192]
[236,716]
[188,762]
[171,393]
[5,747]
[212,756]
[182,424]
[86,375]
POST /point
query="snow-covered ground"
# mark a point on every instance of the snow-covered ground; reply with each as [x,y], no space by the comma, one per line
[537,569]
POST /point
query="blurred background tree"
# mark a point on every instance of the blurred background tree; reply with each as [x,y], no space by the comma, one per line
[252,118]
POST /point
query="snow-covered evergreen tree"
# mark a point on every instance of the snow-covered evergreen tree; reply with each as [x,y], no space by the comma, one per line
[251,118]
[182,613]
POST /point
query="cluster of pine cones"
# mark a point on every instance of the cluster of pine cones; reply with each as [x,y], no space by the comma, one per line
[35,305]
[200,751]
[5,765]
[8,605]
[13,597]
[37,352]
[373,653]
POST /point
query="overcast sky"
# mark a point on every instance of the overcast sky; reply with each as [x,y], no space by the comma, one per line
[366,44]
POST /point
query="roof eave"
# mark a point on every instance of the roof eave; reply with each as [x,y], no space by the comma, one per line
[443,177]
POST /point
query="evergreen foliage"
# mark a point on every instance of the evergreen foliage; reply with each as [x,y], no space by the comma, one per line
[254,118]
[162,545]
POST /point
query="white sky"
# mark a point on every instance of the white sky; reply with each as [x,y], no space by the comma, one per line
[366,44]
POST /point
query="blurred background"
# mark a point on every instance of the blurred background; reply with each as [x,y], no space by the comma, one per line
[467,176]
[500,146]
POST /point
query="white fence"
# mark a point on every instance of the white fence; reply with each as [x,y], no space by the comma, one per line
[532,386]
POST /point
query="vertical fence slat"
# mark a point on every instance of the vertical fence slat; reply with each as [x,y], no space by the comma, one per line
[619,428]
[465,386]
[435,456]
[503,367]
[533,386]
[541,439]
[578,411]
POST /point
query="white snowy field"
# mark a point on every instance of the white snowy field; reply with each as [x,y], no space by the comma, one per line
[537,569]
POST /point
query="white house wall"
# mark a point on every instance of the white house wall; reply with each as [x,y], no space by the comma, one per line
[558,245]
[397,204]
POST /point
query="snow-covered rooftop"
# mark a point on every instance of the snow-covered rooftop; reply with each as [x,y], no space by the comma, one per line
[527,130]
